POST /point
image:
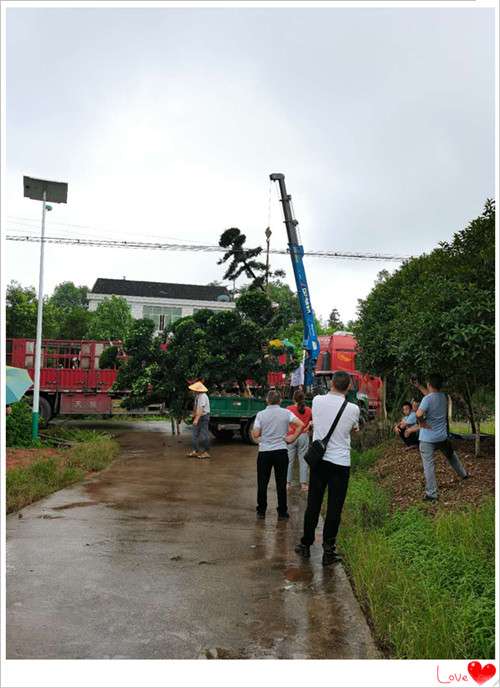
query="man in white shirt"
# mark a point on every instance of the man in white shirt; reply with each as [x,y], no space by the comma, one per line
[201,419]
[333,470]
[270,429]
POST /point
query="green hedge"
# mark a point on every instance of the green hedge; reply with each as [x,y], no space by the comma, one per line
[18,426]
[426,583]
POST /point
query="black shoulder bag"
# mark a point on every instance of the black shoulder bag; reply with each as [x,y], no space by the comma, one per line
[317,449]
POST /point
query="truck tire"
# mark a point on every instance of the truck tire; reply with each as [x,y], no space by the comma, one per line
[45,411]
[364,415]
[247,433]
[223,435]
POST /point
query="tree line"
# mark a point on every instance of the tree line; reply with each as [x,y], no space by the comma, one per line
[65,314]
[436,313]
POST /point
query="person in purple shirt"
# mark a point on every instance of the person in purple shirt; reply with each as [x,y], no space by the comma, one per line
[432,416]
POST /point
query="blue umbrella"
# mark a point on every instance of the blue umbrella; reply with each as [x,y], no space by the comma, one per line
[17,382]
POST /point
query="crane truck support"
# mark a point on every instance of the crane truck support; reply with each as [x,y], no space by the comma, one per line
[310,341]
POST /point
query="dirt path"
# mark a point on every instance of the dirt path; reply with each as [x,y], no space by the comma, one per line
[160,556]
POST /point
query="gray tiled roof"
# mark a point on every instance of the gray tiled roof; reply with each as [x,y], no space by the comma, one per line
[158,290]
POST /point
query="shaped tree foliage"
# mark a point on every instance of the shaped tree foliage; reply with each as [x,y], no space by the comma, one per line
[142,364]
[222,348]
[243,260]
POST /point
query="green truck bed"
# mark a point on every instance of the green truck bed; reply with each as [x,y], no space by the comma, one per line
[233,413]
[230,414]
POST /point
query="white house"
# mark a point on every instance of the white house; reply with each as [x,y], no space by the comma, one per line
[161,302]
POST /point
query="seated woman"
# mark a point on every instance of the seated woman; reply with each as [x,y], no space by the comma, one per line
[408,428]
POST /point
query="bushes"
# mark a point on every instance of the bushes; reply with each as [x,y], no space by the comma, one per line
[427,584]
[18,426]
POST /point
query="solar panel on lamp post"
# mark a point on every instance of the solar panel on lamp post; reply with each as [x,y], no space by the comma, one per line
[54,192]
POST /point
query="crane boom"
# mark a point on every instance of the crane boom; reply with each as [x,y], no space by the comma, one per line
[310,341]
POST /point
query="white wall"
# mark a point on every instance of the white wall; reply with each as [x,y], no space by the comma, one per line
[136,304]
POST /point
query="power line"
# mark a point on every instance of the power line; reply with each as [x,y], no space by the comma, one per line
[108,243]
[27,223]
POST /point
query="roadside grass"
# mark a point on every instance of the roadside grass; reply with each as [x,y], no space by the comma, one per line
[57,435]
[426,582]
[486,427]
[27,484]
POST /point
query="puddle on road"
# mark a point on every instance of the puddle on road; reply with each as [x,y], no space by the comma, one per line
[51,516]
[295,574]
[73,505]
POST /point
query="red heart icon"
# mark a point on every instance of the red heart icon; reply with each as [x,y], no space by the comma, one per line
[481,674]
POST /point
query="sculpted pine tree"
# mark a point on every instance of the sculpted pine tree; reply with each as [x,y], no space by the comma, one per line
[243,260]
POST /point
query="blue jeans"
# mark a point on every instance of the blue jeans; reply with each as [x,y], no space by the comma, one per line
[298,448]
[427,450]
[200,439]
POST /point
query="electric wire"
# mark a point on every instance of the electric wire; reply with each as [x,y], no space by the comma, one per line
[161,246]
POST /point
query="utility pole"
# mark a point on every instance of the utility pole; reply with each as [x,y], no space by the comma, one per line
[55,192]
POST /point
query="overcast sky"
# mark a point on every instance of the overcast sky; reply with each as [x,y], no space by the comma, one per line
[167,122]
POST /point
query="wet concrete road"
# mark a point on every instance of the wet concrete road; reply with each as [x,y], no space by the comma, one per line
[160,556]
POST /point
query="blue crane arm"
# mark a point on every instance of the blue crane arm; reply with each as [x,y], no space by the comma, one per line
[310,340]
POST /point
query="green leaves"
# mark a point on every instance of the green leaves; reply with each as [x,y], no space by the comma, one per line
[437,312]
[112,319]
[222,347]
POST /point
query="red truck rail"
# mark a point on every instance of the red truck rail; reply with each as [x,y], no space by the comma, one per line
[71,381]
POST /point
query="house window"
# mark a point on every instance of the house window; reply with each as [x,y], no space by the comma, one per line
[162,316]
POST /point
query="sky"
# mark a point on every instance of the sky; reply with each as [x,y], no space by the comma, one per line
[166,124]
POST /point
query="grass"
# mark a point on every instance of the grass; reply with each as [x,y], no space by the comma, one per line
[487,427]
[57,435]
[427,584]
[25,485]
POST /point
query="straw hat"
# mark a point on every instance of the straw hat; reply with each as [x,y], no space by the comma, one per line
[198,387]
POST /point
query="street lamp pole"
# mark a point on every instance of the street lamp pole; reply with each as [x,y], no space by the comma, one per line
[54,192]
[35,418]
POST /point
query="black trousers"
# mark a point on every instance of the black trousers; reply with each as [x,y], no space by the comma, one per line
[336,478]
[266,461]
[411,440]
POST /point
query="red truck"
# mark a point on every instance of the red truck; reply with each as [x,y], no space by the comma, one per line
[71,381]
[338,352]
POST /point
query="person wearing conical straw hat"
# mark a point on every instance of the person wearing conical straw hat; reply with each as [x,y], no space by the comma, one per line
[201,418]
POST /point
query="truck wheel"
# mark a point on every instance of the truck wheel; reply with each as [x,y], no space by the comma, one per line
[364,416]
[248,432]
[223,435]
[45,410]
